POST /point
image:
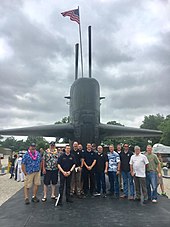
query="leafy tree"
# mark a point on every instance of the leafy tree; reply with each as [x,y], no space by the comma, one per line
[63,121]
[165,127]
[10,143]
[1,137]
[40,142]
[114,123]
[152,121]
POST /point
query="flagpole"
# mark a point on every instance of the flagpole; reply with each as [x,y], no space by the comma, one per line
[81,48]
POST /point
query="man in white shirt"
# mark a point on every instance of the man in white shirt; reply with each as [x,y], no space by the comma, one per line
[138,164]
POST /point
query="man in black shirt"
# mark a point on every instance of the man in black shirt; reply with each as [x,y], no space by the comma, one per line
[66,165]
[125,170]
[101,169]
[89,161]
[76,174]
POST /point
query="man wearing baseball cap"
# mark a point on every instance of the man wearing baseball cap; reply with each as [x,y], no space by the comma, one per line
[31,168]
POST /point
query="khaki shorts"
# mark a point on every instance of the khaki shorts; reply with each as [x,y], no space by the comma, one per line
[33,178]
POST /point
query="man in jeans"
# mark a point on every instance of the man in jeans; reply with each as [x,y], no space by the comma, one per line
[125,156]
[153,169]
[113,171]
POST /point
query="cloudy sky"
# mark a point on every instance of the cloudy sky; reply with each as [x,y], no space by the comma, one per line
[131,58]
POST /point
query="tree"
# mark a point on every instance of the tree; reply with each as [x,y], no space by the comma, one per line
[38,140]
[152,121]
[63,121]
[1,137]
[114,123]
[10,143]
[165,127]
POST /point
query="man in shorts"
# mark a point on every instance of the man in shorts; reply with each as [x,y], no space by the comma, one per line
[31,168]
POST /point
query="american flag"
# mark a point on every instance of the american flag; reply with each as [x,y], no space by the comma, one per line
[73,14]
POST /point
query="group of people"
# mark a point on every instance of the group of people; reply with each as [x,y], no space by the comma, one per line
[83,172]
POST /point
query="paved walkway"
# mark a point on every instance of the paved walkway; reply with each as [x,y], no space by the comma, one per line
[84,212]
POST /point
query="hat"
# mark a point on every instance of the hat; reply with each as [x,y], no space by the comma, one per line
[33,145]
[52,143]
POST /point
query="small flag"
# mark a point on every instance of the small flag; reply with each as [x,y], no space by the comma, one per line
[73,14]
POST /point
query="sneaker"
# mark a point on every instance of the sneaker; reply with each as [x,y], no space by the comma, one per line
[27,201]
[96,194]
[104,195]
[35,199]
[154,200]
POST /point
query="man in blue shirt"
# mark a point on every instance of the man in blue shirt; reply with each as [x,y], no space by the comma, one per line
[113,171]
[31,169]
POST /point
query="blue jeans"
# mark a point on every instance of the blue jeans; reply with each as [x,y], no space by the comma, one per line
[128,182]
[151,183]
[101,182]
[114,183]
